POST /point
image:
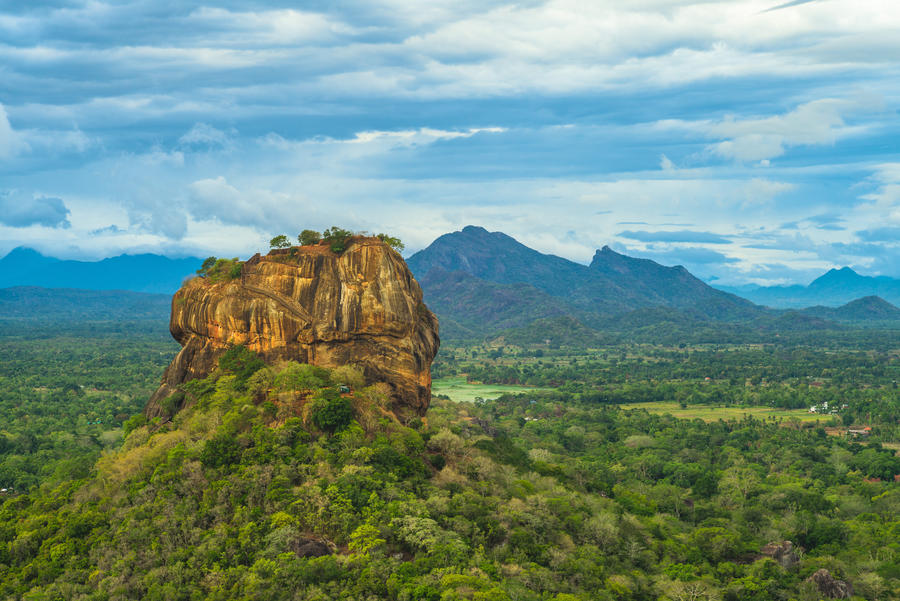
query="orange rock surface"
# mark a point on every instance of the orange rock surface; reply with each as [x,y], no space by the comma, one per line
[311,305]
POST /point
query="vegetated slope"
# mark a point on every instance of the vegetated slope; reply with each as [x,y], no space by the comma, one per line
[486,282]
[274,486]
[834,288]
[55,304]
[869,308]
[139,273]
[676,287]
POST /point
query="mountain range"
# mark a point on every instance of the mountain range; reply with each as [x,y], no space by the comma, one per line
[836,287]
[482,282]
[487,284]
[138,273]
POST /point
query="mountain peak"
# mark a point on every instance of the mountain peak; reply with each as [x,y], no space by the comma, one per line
[23,253]
[838,277]
[474,229]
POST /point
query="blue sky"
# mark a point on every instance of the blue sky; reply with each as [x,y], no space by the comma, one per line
[750,140]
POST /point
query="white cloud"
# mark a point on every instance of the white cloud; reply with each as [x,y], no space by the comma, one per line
[749,139]
[202,134]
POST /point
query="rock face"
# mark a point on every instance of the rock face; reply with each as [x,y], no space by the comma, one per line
[782,552]
[829,586]
[311,305]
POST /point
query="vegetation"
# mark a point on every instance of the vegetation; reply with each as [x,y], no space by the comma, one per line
[391,241]
[309,238]
[309,494]
[280,241]
[65,393]
[220,270]
[625,471]
[337,238]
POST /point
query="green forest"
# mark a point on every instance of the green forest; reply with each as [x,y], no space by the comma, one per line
[271,484]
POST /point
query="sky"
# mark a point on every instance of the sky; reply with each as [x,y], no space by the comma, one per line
[750,140]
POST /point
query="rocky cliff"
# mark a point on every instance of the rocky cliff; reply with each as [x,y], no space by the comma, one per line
[311,305]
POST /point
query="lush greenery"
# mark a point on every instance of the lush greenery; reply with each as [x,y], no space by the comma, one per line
[65,393]
[858,386]
[544,495]
[336,238]
[220,270]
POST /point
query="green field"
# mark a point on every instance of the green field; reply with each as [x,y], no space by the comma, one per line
[461,391]
[711,413]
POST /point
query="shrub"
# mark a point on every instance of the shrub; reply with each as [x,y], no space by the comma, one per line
[391,241]
[241,362]
[330,411]
[309,237]
[219,270]
[337,238]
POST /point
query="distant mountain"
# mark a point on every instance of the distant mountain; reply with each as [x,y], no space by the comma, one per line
[139,273]
[869,308]
[481,282]
[832,289]
[56,304]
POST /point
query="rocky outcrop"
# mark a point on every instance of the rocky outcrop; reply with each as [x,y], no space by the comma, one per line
[782,552]
[829,586]
[311,305]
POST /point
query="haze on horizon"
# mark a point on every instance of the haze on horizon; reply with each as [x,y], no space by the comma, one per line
[750,140]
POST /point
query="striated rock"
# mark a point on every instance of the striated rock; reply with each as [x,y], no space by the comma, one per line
[310,305]
[782,552]
[829,586]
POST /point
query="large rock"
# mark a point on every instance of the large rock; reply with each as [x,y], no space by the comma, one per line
[782,552]
[829,586]
[311,305]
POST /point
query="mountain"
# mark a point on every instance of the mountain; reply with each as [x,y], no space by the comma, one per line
[869,308]
[138,273]
[482,282]
[832,289]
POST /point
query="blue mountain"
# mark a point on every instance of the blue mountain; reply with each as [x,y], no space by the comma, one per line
[138,273]
[832,289]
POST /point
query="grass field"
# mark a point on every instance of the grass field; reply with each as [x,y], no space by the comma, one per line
[710,413]
[461,391]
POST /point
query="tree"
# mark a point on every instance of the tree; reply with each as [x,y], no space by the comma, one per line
[337,238]
[280,241]
[391,241]
[207,265]
[330,411]
[309,237]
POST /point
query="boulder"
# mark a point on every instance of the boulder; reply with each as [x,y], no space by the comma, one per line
[311,305]
[830,586]
[782,552]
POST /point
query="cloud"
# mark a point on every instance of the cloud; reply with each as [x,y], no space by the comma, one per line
[202,134]
[680,236]
[109,229]
[789,4]
[11,142]
[880,234]
[690,255]
[750,139]
[19,210]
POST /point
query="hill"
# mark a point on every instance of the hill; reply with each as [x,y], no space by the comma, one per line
[832,289]
[138,273]
[868,308]
[482,282]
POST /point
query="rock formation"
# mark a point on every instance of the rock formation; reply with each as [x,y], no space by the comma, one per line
[311,305]
[829,586]
[782,552]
